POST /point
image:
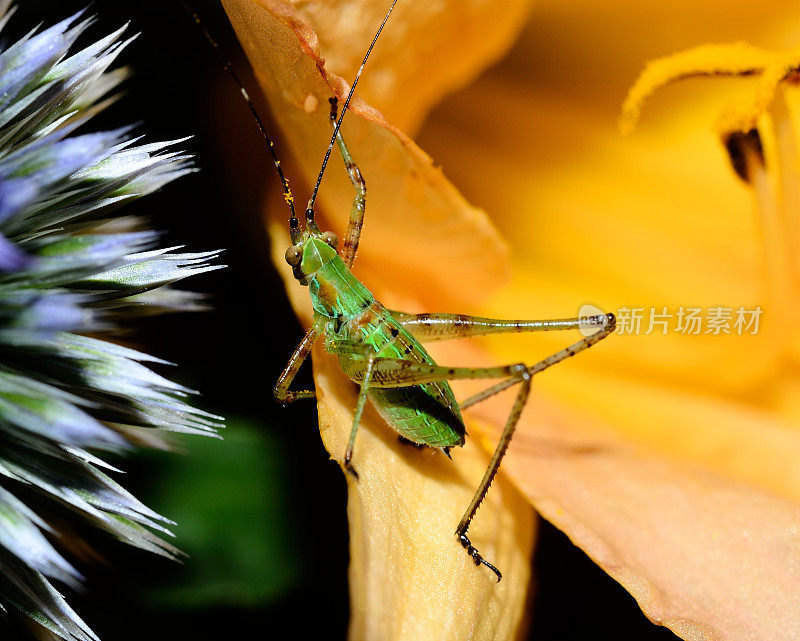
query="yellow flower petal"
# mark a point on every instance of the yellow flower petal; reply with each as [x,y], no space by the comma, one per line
[648,221]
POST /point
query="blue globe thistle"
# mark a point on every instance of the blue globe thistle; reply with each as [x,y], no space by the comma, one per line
[71,271]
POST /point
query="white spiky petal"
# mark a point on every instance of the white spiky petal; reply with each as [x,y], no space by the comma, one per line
[67,269]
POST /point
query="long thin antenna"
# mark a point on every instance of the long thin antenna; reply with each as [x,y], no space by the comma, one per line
[294,224]
[310,207]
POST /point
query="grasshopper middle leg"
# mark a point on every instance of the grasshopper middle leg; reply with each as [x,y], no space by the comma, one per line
[391,372]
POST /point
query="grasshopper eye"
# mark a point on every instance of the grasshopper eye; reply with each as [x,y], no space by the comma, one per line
[293,256]
[331,238]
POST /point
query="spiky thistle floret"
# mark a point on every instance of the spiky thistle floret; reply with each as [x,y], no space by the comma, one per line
[70,267]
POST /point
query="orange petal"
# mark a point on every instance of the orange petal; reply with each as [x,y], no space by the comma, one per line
[416,219]
[703,555]
[452,41]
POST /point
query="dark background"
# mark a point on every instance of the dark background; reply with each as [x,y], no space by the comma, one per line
[262,513]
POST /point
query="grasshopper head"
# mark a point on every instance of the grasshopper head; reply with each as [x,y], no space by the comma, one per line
[314,251]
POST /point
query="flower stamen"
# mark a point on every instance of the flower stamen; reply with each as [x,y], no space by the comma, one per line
[742,126]
[778,282]
[788,168]
[739,59]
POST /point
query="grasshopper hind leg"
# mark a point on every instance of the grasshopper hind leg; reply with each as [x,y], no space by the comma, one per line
[449,326]
[522,398]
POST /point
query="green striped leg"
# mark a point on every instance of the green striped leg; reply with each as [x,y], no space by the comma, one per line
[364,378]
[358,208]
[442,327]
[362,399]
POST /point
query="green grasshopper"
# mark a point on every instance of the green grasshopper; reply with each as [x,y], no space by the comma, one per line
[381,350]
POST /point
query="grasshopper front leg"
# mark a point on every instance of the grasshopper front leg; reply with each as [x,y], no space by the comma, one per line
[359,206]
[281,391]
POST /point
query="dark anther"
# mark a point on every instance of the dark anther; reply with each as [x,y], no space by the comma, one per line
[793,77]
[738,145]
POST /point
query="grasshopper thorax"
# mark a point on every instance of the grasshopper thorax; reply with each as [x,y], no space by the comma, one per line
[314,250]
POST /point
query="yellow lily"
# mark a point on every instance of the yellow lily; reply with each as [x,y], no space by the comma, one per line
[669,457]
